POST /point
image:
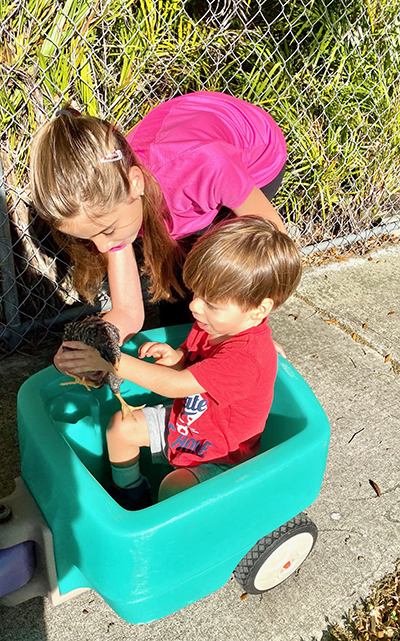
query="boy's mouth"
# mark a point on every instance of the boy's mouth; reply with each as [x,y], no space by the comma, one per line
[202,325]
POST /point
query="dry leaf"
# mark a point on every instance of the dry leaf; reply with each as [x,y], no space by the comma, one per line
[328,320]
[364,325]
[388,357]
[243,596]
[372,615]
[375,486]
[391,313]
[354,336]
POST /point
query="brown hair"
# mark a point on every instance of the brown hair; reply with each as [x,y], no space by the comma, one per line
[243,260]
[67,178]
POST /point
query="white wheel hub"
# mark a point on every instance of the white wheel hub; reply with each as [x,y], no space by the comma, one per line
[284,561]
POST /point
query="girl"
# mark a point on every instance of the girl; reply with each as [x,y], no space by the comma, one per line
[186,160]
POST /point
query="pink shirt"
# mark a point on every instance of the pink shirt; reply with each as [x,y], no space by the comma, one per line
[206,150]
[224,424]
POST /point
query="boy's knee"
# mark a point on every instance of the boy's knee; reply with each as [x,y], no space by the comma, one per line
[176,482]
[131,430]
[115,421]
[116,427]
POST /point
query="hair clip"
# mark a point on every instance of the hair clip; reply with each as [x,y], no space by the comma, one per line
[112,157]
[63,112]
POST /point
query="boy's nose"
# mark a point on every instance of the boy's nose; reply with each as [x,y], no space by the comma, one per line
[196,306]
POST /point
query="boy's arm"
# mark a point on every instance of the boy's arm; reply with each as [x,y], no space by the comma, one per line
[162,380]
[159,379]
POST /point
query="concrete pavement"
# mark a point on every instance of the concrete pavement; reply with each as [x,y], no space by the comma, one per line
[346,364]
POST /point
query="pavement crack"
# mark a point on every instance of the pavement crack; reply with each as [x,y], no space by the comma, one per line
[391,519]
[327,316]
[339,530]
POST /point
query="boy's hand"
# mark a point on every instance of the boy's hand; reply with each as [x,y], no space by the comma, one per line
[79,358]
[162,353]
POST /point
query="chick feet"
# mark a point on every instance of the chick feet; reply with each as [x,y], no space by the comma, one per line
[78,380]
[128,410]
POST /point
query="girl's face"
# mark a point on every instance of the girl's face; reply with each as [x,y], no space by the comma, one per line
[112,231]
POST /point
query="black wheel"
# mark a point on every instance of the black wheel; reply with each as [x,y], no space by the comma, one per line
[276,556]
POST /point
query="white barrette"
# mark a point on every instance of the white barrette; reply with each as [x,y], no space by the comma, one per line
[112,157]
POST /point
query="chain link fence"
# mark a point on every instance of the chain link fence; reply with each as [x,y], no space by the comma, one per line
[326,71]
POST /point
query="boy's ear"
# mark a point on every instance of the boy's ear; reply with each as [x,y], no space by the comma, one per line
[263,310]
[136,181]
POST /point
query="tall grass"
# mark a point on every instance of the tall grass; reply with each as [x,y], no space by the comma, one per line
[326,71]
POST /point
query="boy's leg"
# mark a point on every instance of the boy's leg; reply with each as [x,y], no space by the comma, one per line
[175,482]
[124,439]
[126,436]
[184,477]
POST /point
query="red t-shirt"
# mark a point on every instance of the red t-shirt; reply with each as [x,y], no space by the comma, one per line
[224,424]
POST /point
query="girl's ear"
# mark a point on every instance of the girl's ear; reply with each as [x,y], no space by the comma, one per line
[263,310]
[136,181]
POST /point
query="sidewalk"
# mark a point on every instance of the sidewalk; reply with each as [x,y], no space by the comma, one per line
[347,365]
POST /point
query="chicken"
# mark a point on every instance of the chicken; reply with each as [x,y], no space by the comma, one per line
[103,336]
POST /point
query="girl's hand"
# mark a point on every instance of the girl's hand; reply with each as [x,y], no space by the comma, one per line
[79,358]
[162,353]
[58,360]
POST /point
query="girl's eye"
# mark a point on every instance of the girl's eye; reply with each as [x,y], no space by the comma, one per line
[108,233]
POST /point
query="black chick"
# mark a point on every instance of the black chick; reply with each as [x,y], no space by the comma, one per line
[103,336]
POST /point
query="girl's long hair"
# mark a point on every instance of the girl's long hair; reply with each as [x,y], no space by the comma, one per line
[68,178]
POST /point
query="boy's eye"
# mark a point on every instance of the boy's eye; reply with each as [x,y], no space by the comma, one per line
[108,233]
[211,306]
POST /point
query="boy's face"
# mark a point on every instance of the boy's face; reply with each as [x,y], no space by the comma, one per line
[224,319]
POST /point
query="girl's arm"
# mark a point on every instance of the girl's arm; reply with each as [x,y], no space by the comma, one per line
[166,381]
[259,205]
[127,311]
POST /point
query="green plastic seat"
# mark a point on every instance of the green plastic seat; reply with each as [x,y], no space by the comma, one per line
[150,563]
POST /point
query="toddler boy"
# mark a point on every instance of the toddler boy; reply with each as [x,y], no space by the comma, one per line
[222,377]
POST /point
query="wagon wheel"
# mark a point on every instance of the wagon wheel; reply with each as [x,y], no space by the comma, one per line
[276,556]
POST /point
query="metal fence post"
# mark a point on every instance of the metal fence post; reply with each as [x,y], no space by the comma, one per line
[9,300]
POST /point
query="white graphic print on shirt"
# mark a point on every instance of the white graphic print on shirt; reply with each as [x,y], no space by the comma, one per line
[194,407]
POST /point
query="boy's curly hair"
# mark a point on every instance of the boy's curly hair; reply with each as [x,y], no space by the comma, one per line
[244,260]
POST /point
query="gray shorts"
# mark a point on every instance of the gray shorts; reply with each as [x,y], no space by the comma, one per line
[157,418]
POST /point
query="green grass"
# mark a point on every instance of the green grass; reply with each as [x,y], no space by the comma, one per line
[326,71]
